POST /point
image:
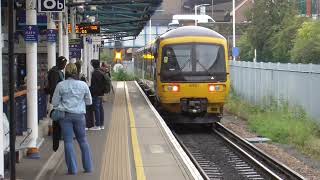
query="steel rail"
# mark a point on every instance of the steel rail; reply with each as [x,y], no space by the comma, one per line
[260,155]
[194,161]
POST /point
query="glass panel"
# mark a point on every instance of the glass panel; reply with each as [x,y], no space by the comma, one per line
[206,56]
[177,58]
[193,62]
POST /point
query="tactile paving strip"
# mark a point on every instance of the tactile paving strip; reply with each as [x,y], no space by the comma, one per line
[116,160]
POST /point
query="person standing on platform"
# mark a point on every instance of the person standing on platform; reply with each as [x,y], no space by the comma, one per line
[55,75]
[97,91]
[71,97]
[89,108]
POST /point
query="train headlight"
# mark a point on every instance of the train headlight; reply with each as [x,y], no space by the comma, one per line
[211,88]
[175,88]
[171,88]
[214,87]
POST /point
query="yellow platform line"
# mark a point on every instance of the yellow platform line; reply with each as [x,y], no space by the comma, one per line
[135,142]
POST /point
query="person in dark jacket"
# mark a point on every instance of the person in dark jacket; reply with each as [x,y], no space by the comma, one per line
[97,92]
[55,75]
[89,108]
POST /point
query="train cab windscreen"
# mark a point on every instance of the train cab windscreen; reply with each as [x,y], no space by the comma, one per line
[193,63]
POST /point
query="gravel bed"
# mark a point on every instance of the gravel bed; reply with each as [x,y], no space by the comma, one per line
[307,167]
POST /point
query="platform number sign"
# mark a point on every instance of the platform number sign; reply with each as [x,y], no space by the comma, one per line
[51,5]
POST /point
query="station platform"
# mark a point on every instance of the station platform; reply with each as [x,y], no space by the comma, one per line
[136,144]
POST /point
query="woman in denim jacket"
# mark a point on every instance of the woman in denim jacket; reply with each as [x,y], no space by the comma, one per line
[71,96]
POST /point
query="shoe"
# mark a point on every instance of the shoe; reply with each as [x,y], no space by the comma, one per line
[96,128]
[102,127]
[86,129]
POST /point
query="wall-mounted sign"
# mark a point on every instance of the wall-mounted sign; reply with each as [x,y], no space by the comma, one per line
[52,35]
[51,5]
[75,46]
[31,33]
[235,51]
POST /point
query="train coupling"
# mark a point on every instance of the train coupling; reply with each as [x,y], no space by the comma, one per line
[193,106]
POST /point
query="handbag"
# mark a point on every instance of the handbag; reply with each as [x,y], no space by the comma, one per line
[56,135]
[57,115]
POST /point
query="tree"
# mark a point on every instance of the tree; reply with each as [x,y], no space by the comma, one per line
[307,44]
[246,50]
[283,41]
[268,17]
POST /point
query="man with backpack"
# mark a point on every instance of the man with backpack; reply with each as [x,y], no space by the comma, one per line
[55,75]
[100,84]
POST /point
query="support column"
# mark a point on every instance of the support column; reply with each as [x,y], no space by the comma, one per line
[85,57]
[12,108]
[66,36]
[73,27]
[1,106]
[233,27]
[89,53]
[60,34]
[32,86]
[51,45]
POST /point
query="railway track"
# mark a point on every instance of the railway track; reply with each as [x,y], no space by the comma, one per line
[220,154]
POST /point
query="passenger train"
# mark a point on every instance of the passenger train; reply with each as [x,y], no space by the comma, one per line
[186,72]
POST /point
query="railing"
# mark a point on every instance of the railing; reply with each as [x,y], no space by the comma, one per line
[298,84]
[21,109]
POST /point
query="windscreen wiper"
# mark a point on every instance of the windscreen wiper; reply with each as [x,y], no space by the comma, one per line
[185,64]
[210,74]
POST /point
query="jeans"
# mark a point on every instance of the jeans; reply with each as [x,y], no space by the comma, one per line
[98,110]
[75,123]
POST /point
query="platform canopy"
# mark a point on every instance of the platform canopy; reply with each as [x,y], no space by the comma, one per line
[120,18]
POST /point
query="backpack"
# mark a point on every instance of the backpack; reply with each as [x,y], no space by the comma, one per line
[47,88]
[106,83]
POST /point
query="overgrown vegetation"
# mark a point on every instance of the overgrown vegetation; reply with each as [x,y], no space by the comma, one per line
[281,123]
[107,56]
[122,75]
[279,34]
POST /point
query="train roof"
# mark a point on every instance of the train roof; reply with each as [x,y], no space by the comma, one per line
[191,31]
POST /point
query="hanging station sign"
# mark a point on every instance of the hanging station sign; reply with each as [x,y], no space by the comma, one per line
[51,5]
[88,29]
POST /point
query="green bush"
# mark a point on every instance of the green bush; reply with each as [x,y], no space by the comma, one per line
[281,123]
[122,75]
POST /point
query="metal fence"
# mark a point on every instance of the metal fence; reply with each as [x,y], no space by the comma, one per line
[297,84]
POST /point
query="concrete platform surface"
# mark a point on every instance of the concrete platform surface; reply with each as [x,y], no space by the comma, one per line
[135,144]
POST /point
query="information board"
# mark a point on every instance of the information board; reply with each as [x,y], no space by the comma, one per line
[52,35]
[31,33]
[75,46]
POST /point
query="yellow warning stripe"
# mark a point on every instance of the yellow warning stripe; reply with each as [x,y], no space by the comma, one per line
[134,139]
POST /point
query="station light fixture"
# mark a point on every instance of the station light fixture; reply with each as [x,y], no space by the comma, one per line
[118,55]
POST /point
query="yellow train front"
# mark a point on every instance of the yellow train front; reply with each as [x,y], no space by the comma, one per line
[186,70]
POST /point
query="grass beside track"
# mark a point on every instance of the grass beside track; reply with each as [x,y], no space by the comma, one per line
[281,123]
